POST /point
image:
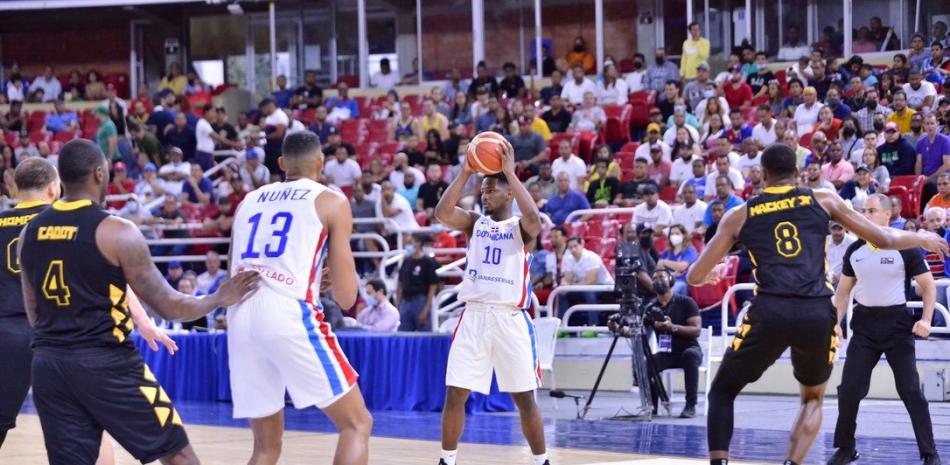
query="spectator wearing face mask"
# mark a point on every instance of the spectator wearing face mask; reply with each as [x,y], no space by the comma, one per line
[896,153]
[379,315]
[695,90]
[678,257]
[865,116]
[660,73]
[634,78]
[579,56]
[759,80]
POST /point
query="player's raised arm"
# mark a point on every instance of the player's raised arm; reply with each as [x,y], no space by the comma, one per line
[706,269]
[448,212]
[880,237]
[339,223]
[530,216]
[123,245]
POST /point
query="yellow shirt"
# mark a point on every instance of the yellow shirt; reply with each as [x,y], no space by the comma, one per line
[613,170]
[903,121]
[541,127]
[177,85]
[694,53]
[437,121]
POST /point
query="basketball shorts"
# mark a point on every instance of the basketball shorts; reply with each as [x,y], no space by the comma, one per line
[493,338]
[278,344]
[15,358]
[80,393]
[775,323]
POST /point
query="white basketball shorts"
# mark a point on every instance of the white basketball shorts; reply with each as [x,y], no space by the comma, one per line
[276,343]
[494,338]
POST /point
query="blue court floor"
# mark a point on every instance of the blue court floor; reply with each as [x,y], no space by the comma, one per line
[890,440]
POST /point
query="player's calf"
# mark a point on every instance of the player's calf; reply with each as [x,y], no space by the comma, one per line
[185,456]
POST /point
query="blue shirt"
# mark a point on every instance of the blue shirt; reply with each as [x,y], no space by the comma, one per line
[57,123]
[842,111]
[737,136]
[699,184]
[732,202]
[322,131]
[282,97]
[561,206]
[485,122]
[411,194]
[204,186]
[539,263]
[933,152]
[348,103]
[688,255]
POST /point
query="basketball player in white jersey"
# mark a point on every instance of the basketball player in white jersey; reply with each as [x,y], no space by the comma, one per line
[277,338]
[494,332]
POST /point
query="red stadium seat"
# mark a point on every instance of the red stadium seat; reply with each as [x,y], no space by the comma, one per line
[780,75]
[38,136]
[10,138]
[352,81]
[614,131]
[698,243]
[584,145]
[668,194]
[626,65]
[307,116]
[625,159]
[65,136]
[37,121]
[914,187]
[378,125]
[595,228]
[805,141]
[630,146]
[626,174]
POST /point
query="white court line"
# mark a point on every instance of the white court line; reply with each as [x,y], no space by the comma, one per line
[663,461]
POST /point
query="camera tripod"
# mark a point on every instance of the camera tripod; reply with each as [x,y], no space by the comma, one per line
[644,371]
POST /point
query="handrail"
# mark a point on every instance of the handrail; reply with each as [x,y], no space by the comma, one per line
[726,329]
[189,241]
[586,308]
[435,311]
[572,288]
[597,212]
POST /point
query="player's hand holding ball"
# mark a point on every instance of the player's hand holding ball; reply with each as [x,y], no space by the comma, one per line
[238,287]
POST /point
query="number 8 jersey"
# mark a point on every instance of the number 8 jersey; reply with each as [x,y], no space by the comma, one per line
[785,230]
[278,233]
[496,270]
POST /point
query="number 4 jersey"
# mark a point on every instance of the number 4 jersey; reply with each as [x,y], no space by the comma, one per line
[278,233]
[496,270]
[785,230]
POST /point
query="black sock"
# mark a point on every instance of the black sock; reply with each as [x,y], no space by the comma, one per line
[3,436]
[789,462]
[718,461]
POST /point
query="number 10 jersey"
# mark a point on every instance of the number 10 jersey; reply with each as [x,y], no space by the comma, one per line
[496,271]
[278,233]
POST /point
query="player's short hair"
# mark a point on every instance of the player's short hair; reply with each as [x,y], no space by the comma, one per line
[499,178]
[301,144]
[78,159]
[779,161]
[377,285]
[34,174]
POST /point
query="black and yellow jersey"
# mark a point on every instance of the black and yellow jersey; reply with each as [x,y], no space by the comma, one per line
[81,298]
[12,223]
[785,230]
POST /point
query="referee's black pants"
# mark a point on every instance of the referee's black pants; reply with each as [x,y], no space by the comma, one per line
[877,331]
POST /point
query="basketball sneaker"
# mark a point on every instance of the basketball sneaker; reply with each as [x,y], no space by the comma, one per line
[843,457]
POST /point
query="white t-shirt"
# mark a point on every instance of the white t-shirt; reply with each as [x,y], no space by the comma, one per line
[277,118]
[295,127]
[659,215]
[574,167]
[206,280]
[682,170]
[738,182]
[806,118]
[689,216]
[915,98]
[260,174]
[764,136]
[643,151]
[746,163]
[614,95]
[635,81]
[170,186]
[343,174]
[384,81]
[669,137]
[398,177]
[574,93]
[588,261]
[203,131]
[405,219]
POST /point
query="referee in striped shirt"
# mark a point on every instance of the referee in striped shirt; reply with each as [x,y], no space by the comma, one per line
[882,324]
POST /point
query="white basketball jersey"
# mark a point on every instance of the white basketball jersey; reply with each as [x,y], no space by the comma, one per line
[496,271]
[278,233]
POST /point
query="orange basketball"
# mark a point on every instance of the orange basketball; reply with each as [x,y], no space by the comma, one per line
[485,151]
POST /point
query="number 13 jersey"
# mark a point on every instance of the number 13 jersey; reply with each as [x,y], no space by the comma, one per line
[785,230]
[278,233]
[496,270]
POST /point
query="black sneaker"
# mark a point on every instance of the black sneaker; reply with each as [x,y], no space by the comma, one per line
[843,457]
[688,412]
[441,462]
[931,460]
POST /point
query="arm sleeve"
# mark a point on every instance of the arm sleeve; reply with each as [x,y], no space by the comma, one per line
[914,263]
[846,268]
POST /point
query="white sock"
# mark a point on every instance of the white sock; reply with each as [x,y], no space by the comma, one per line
[448,456]
[540,459]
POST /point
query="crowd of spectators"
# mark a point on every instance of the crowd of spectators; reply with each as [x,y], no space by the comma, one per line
[855,128]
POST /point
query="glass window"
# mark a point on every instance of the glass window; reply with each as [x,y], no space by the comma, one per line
[447,37]
[789,40]
[674,26]
[877,26]
[620,33]
[830,24]
[562,23]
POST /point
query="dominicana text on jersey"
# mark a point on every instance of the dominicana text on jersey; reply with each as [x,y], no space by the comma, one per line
[496,271]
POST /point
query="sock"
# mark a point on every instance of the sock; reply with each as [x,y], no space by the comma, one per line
[448,456]
[789,462]
[540,459]
[3,436]
[718,461]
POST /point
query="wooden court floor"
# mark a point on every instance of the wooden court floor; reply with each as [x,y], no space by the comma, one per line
[232,446]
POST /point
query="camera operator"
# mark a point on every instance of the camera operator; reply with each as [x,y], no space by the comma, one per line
[676,334]
[630,233]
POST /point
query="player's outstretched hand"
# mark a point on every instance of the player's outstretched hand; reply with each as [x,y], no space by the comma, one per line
[154,335]
[507,158]
[237,287]
[933,242]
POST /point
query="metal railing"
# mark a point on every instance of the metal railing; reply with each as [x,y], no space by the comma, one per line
[547,309]
[437,310]
[600,308]
[597,212]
